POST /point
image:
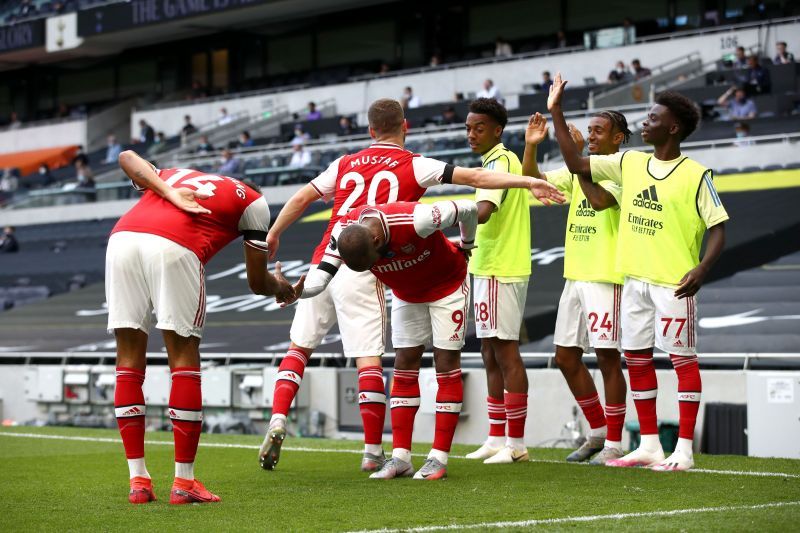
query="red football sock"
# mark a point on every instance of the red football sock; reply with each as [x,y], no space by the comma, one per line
[615,419]
[372,403]
[690,388]
[448,408]
[517,412]
[186,412]
[644,389]
[290,374]
[130,410]
[404,404]
[592,410]
[497,417]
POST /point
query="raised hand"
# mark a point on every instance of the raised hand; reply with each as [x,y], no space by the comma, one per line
[546,192]
[186,200]
[537,129]
[577,137]
[556,92]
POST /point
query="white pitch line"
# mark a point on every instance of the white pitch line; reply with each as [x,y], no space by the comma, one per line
[352,451]
[590,518]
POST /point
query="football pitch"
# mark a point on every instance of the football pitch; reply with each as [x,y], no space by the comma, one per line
[76,479]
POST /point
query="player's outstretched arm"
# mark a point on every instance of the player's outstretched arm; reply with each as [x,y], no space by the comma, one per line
[482,178]
[694,279]
[292,210]
[144,176]
[261,281]
[572,157]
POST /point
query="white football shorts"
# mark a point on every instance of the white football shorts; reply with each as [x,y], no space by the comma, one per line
[443,321]
[653,316]
[498,308]
[588,315]
[146,273]
[357,300]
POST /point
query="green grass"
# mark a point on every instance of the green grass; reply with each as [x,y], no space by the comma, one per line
[69,485]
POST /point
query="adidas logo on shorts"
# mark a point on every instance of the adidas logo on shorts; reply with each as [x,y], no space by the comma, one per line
[648,199]
[602,337]
[455,337]
[584,209]
[678,343]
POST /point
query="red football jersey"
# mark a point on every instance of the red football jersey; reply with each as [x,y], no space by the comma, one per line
[236,209]
[417,269]
[381,174]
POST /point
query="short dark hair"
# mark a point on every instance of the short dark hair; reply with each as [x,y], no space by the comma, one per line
[683,109]
[354,244]
[252,184]
[618,122]
[386,116]
[781,42]
[246,133]
[491,108]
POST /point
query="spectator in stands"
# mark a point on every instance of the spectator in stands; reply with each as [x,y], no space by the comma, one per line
[739,58]
[384,68]
[83,174]
[742,130]
[188,127]
[10,180]
[449,116]
[346,126]
[547,82]
[756,78]
[458,96]
[435,61]
[300,157]
[300,136]
[146,132]
[409,100]
[502,48]
[740,106]
[782,57]
[13,121]
[113,149]
[629,32]
[490,90]
[229,165]
[561,39]
[26,8]
[205,146]
[8,242]
[639,71]
[313,113]
[45,177]
[245,141]
[198,91]
[620,74]
[81,156]
[159,145]
[63,111]
[224,117]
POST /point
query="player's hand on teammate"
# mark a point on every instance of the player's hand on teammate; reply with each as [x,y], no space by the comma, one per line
[273,243]
[691,282]
[556,92]
[537,129]
[186,200]
[546,192]
[577,137]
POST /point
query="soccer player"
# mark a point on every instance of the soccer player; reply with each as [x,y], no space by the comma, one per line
[155,261]
[588,313]
[668,201]
[382,173]
[500,266]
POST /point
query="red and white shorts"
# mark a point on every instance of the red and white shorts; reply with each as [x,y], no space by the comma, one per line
[653,316]
[146,273]
[357,300]
[498,308]
[588,315]
[443,321]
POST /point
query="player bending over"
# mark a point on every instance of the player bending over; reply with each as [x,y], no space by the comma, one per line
[500,266]
[588,313]
[155,261]
[381,173]
[668,201]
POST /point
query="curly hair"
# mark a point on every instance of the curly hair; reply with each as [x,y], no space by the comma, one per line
[683,109]
[491,108]
[618,122]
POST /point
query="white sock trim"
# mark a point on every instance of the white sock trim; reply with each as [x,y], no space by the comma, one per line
[439,455]
[374,449]
[137,468]
[184,470]
[402,454]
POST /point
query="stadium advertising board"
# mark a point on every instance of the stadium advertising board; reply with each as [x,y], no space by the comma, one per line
[129,15]
[21,36]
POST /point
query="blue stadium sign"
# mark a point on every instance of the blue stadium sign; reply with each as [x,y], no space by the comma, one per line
[129,15]
[21,36]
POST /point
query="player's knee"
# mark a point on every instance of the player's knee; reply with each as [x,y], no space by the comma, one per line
[567,360]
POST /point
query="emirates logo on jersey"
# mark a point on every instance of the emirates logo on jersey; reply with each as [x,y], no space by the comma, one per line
[408,249]
[401,264]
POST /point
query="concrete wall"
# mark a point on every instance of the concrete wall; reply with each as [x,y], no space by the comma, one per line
[44,136]
[550,404]
[440,85]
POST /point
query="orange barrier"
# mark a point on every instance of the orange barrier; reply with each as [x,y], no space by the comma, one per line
[29,161]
